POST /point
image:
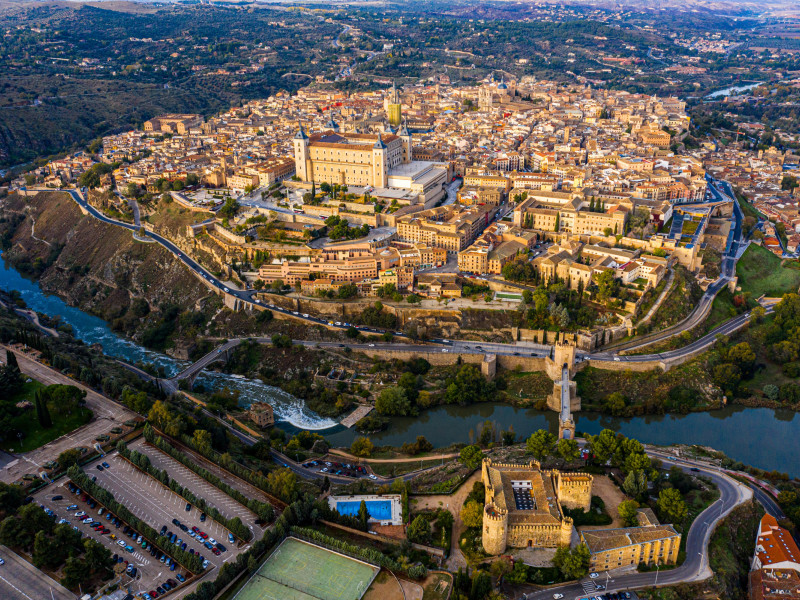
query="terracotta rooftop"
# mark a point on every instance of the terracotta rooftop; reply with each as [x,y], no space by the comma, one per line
[775,544]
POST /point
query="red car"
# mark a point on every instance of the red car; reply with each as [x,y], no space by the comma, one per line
[195,529]
[153,594]
[203,535]
[216,551]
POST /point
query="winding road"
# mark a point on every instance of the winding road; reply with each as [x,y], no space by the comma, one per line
[695,567]
[728,267]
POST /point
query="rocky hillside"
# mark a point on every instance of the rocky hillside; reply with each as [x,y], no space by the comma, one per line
[94,266]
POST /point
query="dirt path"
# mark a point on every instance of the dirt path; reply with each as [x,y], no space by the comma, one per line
[453,503]
[602,486]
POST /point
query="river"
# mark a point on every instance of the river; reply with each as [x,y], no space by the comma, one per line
[762,437]
[93,330]
[734,89]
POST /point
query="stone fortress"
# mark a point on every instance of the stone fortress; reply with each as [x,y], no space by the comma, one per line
[524,505]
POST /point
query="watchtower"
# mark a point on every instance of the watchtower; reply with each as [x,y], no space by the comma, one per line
[574,490]
[495,528]
[563,354]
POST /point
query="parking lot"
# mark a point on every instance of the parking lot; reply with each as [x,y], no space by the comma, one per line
[150,572]
[328,466]
[236,483]
[227,506]
[157,505]
[20,580]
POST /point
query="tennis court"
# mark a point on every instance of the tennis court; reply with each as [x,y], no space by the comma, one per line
[298,570]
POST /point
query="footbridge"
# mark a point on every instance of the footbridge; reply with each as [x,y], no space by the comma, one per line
[219,354]
[566,424]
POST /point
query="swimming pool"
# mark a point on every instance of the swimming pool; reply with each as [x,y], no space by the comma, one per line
[380,510]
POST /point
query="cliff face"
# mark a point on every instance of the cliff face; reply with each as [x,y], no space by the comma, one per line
[97,267]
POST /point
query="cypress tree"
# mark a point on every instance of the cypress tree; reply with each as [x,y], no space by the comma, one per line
[11,361]
[363,515]
[42,413]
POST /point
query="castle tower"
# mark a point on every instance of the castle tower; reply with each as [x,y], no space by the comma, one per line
[495,529]
[301,155]
[379,168]
[394,108]
[574,490]
[566,532]
[563,354]
[566,428]
[405,137]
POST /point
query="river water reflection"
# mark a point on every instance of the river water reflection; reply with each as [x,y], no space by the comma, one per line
[761,437]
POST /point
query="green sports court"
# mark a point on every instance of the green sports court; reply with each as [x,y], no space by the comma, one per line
[298,570]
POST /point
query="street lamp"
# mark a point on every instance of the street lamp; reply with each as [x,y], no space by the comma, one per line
[656,583]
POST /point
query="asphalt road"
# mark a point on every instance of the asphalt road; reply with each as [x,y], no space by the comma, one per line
[20,580]
[107,415]
[728,268]
[694,568]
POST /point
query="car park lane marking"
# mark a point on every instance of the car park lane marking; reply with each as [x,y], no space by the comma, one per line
[15,587]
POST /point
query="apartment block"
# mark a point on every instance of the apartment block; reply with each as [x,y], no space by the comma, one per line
[449,227]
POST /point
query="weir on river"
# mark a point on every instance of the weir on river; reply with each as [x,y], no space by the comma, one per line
[762,437]
[93,330]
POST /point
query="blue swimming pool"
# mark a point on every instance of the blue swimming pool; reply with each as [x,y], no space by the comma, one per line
[380,510]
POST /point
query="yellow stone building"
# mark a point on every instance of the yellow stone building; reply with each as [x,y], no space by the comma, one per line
[358,159]
[651,543]
[524,505]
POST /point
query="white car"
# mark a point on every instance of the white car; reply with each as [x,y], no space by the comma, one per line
[372,345]
[225,289]
[2,562]
[594,575]
[212,541]
[558,596]
[121,543]
[372,476]
[80,513]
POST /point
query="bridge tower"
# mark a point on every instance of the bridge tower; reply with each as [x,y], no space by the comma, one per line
[564,398]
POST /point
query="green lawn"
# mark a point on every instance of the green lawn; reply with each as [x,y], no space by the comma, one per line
[761,272]
[33,435]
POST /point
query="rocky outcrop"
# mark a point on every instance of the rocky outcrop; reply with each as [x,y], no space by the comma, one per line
[97,267]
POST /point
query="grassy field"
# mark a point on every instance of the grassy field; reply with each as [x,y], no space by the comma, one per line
[761,272]
[301,571]
[33,434]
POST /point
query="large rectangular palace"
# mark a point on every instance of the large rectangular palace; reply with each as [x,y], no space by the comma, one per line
[359,159]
